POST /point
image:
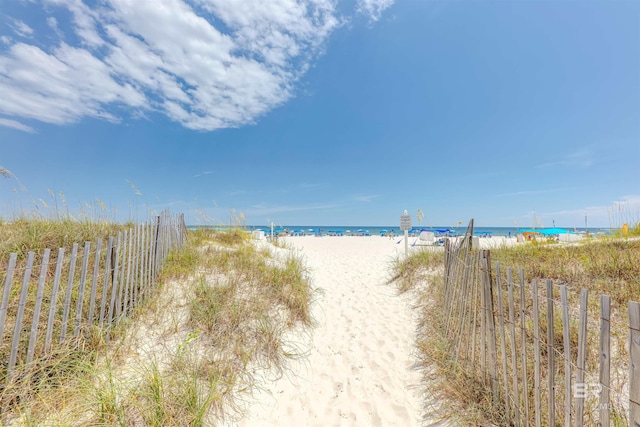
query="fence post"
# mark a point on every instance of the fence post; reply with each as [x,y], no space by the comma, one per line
[156,261]
[566,340]
[514,346]
[94,283]
[6,292]
[114,278]
[33,337]
[18,327]
[605,360]
[490,323]
[634,364]
[551,384]
[127,297]
[105,282]
[582,353]
[83,279]
[67,296]
[54,298]
[523,343]
[503,347]
[536,354]
[121,281]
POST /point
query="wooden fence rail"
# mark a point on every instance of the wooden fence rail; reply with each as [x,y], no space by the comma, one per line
[113,278]
[530,344]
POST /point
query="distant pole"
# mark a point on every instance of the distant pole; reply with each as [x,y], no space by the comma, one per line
[272,231]
[406,242]
[405,224]
[586,228]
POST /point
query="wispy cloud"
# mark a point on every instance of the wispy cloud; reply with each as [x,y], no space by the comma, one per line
[203,173]
[22,29]
[308,186]
[373,8]
[628,204]
[366,198]
[16,125]
[265,209]
[580,159]
[533,192]
[205,64]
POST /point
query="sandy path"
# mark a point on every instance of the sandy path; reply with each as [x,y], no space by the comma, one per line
[360,368]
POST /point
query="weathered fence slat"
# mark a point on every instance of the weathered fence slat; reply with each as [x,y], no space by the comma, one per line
[134,269]
[536,354]
[105,281]
[122,273]
[605,360]
[67,296]
[6,292]
[523,346]
[83,280]
[551,383]
[21,306]
[582,354]
[514,357]
[490,325]
[54,299]
[38,305]
[143,259]
[114,278]
[475,319]
[127,298]
[503,349]
[94,283]
[566,341]
[483,333]
[634,364]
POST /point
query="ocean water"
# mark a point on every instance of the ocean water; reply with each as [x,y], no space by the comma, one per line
[378,230]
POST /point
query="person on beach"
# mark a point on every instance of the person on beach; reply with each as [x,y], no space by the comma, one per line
[391,235]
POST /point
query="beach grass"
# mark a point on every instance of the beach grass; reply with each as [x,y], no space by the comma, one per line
[609,265]
[187,355]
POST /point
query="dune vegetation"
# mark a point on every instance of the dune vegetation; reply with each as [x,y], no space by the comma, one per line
[609,265]
[219,317]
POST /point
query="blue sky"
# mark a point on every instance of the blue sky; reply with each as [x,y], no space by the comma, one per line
[322,112]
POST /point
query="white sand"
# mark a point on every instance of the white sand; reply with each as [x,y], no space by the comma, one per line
[360,368]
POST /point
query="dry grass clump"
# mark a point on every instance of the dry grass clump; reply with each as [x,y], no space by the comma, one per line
[407,272]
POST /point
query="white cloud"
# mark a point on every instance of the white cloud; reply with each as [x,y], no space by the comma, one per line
[16,125]
[206,64]
[374,8]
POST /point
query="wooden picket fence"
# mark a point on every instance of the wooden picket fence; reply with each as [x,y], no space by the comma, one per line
[95,287]
[528,344]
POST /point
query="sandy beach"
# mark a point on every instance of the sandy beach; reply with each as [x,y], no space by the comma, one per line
[360,366]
